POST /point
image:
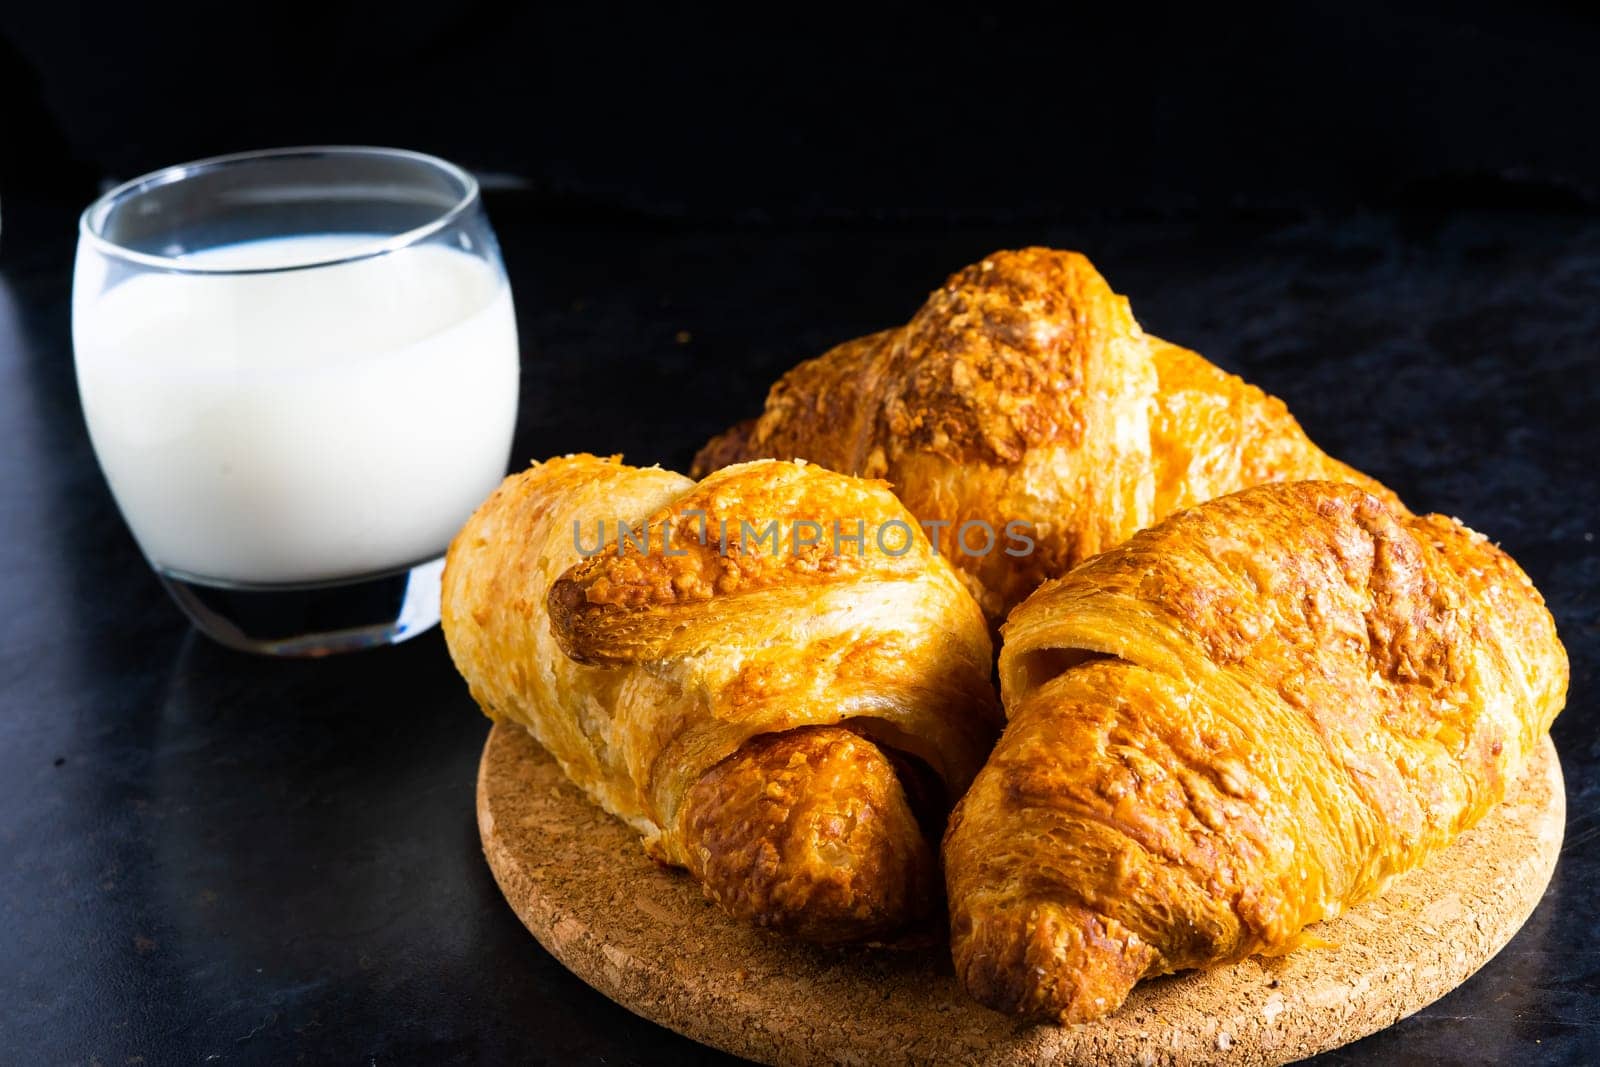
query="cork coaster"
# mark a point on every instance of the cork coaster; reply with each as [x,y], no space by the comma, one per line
[645,937]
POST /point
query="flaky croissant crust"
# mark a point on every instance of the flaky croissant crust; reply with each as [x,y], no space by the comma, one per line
[1024,389]
[761,712]
[753,639]
[1236,724]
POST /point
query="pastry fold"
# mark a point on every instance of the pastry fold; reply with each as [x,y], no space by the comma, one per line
[767,673]
[1024,391]
[1243,720]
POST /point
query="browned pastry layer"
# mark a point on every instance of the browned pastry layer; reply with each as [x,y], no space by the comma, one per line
[722,692]
[1238,723]
[810,832]
[1024,390]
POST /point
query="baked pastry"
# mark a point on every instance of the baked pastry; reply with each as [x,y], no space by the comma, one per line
[1243,720]
[1023,391]
[786,713]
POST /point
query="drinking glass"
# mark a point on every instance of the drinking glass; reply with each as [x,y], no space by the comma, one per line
[299,370]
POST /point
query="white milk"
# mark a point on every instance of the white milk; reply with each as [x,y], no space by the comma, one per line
[299,426]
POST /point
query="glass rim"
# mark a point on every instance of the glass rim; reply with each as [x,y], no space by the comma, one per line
[179,172]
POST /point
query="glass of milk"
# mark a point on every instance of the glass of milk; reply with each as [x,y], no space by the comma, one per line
[299,371]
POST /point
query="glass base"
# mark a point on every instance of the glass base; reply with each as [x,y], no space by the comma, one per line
[313,620]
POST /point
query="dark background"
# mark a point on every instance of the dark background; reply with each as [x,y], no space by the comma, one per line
[812,116]
[1386,217]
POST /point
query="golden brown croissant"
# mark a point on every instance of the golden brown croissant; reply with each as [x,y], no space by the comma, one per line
[1241,721]
[1024,391]
[769,706]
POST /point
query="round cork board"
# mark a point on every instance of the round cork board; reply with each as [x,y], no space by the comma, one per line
[645,937]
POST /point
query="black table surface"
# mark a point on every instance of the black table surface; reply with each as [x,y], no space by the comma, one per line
[206,856]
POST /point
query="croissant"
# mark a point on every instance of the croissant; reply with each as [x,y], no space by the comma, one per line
[1241,721]
[778,709]
[1024,392]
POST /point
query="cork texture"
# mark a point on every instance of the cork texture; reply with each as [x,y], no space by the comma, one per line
[646,937]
